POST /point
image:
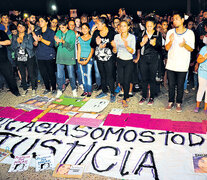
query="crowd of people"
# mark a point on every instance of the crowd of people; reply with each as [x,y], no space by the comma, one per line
[124,52]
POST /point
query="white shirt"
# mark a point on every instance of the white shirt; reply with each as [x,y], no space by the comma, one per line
[122,52]
[179,57]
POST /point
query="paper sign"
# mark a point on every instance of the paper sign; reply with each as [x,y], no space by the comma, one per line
[28,116]
[138,120]
[34,103]
[116,111]
[54,117]
[20,163]
[160,124]
[200,163]
[95,105]
[116,120]
[4,153]
[71,114]
[87,115]
[44,162]
[65,100]
[68,171]
[90,122]
[9,112]
[188,127]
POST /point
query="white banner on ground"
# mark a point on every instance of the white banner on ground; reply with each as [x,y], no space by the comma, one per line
[125,153]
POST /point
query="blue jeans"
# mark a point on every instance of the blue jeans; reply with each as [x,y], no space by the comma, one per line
[86,75]
[78,72]
[186,81]
[97,74]
[61,75]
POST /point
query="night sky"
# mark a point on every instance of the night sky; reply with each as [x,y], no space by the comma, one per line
[87,6]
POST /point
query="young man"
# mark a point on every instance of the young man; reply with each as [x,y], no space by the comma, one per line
[180,42]
[4,26]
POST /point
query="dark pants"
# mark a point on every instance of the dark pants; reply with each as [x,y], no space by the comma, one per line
[106,69]
[7,72]
[176,78]
[47,72]
[29,66]
[125,71]
[148,68]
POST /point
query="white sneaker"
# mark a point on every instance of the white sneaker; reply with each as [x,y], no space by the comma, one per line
[75,93]
[34,93]
[59,93]
[81,86]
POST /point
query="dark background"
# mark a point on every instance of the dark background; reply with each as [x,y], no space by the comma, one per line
[102,6]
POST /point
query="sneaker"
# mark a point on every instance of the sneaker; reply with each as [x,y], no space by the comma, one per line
[59,93]
[84,94]
[17,94]
[46,91]
[33,93]
[97,88]
[54,92]
[141,102]
[24,93]
[196,109]
[112,98]
[101,95]
[130,94]
[75,93]
[117,90]
[121,94]
[178,108]
[186,91]
[89,94]
[169,106]
[151,101]
[193,88]
[81,86]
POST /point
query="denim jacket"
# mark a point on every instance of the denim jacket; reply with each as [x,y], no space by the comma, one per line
[26,44]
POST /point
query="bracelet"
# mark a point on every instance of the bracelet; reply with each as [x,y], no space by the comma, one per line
[128,48]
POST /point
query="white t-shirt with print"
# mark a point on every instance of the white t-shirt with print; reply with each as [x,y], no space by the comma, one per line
[179,57]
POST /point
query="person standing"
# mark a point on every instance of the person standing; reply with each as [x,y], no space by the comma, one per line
[180,42]
[65,41]
[124,45]
[22,44]
[5,66]
[150,44]
[202,78]
[101,42]
[84,54]
[45,52]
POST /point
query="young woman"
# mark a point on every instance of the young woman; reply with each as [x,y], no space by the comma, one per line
[44,40]
[54,23]
[150,43]
[65,41]
[202,79]
[124,45]
[22,44]
[84,54]
[78,25]
[101,42]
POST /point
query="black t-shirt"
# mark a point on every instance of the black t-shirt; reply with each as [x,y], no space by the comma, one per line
[103,54]
[3,49]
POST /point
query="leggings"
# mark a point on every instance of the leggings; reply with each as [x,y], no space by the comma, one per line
[125,71]
[202,89]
